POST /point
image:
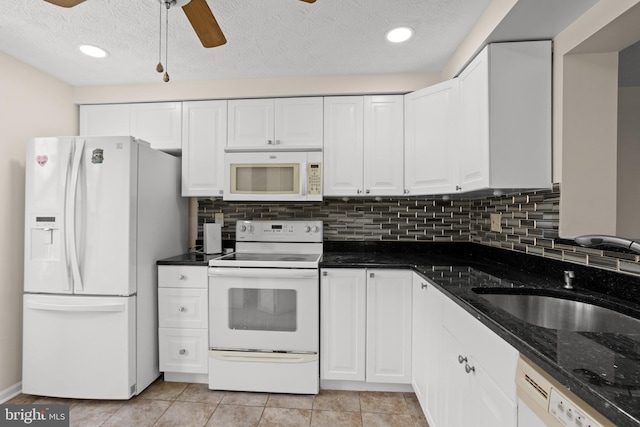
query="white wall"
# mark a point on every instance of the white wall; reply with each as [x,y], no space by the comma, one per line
[628,208]
[585,115]
[32,104]
[256,88]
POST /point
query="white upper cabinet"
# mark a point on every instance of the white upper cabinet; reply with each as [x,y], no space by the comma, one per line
[343,145]
[363,147]
[204,136]
[431,140]
[282,123]
[505,117]
[105,120]
[158,123]
[383,145]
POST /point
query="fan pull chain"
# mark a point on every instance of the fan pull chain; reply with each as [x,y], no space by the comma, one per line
[166,47]
[159,67]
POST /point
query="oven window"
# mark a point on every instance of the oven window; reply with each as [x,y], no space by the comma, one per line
[262,309]
[266,179]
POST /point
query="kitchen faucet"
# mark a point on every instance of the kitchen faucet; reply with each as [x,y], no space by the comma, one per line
[593,240]
[568,279]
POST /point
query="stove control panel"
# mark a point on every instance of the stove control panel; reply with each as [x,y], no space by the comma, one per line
[279,231]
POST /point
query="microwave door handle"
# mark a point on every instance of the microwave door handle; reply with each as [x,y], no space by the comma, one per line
[303,179]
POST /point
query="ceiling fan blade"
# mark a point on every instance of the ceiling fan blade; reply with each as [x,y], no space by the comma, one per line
[65,3]
[309,1]
[204,23]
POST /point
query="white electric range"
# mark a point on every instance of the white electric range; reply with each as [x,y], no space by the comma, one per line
[264,309]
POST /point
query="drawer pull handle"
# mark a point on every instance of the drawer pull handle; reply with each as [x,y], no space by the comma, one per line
[183,351]
[181,277]
[182,309]
[423,286]
[469,368]
[461,359]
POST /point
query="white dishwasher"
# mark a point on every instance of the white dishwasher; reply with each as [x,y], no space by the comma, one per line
[544,402]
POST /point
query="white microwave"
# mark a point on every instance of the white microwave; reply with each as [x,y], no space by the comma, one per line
[273,176]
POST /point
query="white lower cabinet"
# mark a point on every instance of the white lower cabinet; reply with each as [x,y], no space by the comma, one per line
[463,374]
[478,369]
[425,347]
[183,320]
[365,325]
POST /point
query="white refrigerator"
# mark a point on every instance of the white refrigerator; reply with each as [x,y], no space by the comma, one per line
[100,211]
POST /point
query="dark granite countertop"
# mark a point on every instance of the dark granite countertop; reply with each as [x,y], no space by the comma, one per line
[601,368]
[191,258]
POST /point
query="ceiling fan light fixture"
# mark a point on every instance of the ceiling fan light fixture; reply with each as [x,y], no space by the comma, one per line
[93,51]
[399,35]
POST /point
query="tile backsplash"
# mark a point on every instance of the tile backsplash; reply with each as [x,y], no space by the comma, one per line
[529,223]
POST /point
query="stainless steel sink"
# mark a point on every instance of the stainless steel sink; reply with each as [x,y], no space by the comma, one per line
[559,311]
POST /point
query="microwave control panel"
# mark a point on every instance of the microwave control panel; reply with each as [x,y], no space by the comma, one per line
[314,178]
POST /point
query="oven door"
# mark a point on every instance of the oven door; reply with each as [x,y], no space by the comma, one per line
[264,309]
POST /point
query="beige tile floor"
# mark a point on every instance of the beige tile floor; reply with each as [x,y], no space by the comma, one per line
[186,405]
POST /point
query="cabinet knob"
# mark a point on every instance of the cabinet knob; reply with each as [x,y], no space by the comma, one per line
[423,286]
[461,359]
[181,277]
[270,142]
[183,351]
[406,191]
[469,368]
[458,188]
[182,309]
[372,274]
[325,274]
[359,191]
[367,191]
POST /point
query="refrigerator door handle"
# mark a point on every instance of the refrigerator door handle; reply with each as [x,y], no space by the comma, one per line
[113,307]
[71,215]
[65,234]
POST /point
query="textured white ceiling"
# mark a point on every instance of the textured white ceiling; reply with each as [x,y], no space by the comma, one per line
[266,38]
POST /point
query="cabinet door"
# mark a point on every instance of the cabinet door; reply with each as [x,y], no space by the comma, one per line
[105,120]
[342,324]
[298,122]
[204,136]
[492,407]
[343,145]
[389,326]
[251,123]
[419,341]
[457,393]
[158,123]
[427,379]
[474,121]
[383,145]
[431,142]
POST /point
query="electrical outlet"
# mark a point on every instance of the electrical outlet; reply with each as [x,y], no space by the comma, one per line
[496,220]
[218,218]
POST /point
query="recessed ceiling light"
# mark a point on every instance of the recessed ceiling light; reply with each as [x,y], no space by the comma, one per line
[400,34]
[93,51]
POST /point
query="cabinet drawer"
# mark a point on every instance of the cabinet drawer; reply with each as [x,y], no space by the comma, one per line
[494,354]
[183,350]
[182,308]
[181,276]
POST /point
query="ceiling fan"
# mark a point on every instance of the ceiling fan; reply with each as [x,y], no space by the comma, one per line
[198,13]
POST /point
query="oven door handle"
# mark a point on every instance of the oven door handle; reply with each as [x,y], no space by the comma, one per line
[265,273]
[238,356]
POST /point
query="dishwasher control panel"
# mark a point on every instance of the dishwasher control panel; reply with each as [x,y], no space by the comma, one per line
[565,411]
